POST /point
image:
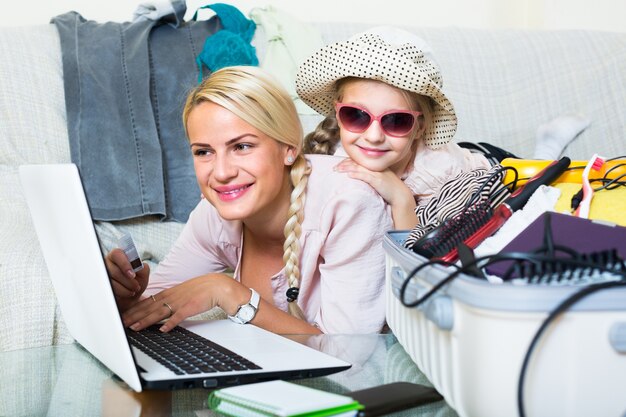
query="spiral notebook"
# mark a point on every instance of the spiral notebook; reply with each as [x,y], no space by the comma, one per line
[70,246]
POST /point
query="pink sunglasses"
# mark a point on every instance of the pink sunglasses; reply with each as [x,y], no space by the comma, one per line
[394,122]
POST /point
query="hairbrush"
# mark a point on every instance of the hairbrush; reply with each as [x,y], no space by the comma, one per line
[478,222]
[445,237]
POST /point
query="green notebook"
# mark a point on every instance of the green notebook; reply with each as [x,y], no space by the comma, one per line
[280,399]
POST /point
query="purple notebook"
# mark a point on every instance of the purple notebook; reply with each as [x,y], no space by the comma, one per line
[581,235]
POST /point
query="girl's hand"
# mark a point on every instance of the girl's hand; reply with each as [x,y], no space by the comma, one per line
[386,183]
[127,285]
[391,189]
[187,299]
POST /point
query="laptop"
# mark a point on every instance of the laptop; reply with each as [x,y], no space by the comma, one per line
[75,262]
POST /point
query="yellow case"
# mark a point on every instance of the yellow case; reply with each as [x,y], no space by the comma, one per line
[527,168]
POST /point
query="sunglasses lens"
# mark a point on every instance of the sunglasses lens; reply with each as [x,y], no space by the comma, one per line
[398,124]
[355,120]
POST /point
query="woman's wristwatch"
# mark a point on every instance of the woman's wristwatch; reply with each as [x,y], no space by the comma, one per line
[246,312]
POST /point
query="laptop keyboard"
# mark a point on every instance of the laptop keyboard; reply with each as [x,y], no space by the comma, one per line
[185,352]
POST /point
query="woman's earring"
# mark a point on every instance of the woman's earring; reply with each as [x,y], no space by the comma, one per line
[290,159]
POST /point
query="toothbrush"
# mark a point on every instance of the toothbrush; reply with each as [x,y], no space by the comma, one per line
[594,163]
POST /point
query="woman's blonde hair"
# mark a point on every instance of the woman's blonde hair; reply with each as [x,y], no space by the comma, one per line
[325,137]
[257,98]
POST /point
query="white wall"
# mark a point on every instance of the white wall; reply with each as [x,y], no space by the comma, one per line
[549,14]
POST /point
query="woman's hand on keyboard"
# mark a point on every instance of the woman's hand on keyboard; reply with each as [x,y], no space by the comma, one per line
[187,299]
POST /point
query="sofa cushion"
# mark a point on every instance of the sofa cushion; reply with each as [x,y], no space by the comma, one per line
[32,101]
[32,130]
[28,310]
[506,83]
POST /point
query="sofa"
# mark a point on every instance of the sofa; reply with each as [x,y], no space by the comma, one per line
[503,83]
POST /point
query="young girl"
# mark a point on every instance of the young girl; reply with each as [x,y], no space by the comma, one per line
[381,93]
[283,223]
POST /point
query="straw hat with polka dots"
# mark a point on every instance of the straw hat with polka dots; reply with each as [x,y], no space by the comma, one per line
[387,54]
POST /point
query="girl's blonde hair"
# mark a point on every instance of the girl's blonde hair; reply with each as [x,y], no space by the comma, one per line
[325,137]
[257,98]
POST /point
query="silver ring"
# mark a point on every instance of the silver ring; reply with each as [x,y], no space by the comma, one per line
[153,299]
[170,308]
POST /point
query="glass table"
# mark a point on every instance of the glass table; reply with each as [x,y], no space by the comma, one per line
[65,380]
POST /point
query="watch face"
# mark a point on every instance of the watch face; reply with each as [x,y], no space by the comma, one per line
[246,313]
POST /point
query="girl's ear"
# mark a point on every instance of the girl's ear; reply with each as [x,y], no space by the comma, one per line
[421,130]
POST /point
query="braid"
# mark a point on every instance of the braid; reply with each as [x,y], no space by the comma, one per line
[299,177]
[323,140]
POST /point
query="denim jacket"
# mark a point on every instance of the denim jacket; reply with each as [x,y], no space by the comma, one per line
[125,88]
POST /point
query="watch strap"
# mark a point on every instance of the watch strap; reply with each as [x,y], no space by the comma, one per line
[255,299]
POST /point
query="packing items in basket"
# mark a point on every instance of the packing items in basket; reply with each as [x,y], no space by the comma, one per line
[609,198]
[577,367]
[477,223]
[479,186]
[526,168]
[556,238]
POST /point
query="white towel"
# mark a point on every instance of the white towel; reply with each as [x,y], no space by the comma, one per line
[542,200]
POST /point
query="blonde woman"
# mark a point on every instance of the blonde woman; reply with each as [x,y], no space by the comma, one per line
[304,242]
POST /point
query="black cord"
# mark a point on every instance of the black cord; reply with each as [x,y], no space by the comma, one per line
[411,274]
[543,255]
[548,239]
[498,174]
[614,183]
[538,260]
[608,184]
[513,184]
[483,261]
[576,168]
[562,307]
[576,200]
[616,157]
[608,171]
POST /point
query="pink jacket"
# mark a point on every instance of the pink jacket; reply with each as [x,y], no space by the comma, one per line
[433,168]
